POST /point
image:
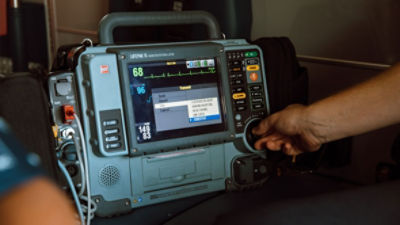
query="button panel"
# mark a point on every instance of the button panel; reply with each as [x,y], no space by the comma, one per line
[111,129]
[247,87]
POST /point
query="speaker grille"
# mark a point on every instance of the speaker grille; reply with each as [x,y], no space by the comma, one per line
[109,175]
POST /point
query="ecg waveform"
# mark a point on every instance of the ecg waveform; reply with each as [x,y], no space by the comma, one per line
[211,70]
[148,100]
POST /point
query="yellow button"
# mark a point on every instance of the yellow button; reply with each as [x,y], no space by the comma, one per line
[253,68]
[236,69]
[240,95]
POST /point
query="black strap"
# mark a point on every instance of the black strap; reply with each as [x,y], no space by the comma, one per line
[287,81]
[24,105]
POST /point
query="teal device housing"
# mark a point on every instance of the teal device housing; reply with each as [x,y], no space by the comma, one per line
[190,145]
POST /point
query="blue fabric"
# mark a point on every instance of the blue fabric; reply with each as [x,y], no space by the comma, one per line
[16,164]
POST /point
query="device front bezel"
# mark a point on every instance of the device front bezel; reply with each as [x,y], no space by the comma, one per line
[167,52]
[146,113]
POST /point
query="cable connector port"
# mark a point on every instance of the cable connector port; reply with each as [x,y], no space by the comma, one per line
[67,133]
[68,113]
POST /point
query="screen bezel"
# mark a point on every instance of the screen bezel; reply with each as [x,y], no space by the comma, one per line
[174,51]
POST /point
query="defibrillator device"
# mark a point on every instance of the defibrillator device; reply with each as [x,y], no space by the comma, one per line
[140,124]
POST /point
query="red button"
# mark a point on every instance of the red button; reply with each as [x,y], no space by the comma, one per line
[253,76]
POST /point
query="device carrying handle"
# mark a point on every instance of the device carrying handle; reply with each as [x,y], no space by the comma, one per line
[119,19]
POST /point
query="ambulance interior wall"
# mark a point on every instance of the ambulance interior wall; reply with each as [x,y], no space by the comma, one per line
[361,30]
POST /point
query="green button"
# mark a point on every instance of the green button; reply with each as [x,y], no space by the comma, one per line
[251,54]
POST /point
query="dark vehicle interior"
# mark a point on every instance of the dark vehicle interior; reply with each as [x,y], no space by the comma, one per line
[142,110]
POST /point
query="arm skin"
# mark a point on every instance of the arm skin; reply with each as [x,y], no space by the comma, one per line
[367,106]
[37,202]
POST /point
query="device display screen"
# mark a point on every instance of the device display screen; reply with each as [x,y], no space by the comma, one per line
[174,99]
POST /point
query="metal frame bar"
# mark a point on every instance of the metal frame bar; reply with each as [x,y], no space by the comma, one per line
[343,62]
[77,31]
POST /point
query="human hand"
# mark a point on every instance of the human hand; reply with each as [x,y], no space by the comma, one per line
[289,131]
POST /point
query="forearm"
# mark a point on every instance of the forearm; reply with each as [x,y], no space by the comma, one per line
[37,202]
[370,105]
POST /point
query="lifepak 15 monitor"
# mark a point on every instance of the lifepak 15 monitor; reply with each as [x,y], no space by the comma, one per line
[160,121]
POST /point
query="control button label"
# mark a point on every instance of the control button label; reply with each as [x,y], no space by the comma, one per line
[258,106]
[237,82]
[240,108]
[113,145]
[252,61]
[111,131]
[110,123]
[256,94]
[238,89]
[112,138]
[239,124]
[240,102]
[256,88]
[240,95]
[236,63]
[257,100]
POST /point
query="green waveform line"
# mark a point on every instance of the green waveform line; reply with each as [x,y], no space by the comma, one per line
[210,70]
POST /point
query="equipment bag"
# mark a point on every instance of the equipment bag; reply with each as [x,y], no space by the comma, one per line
[287,81]
[24,105]
[288,84]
